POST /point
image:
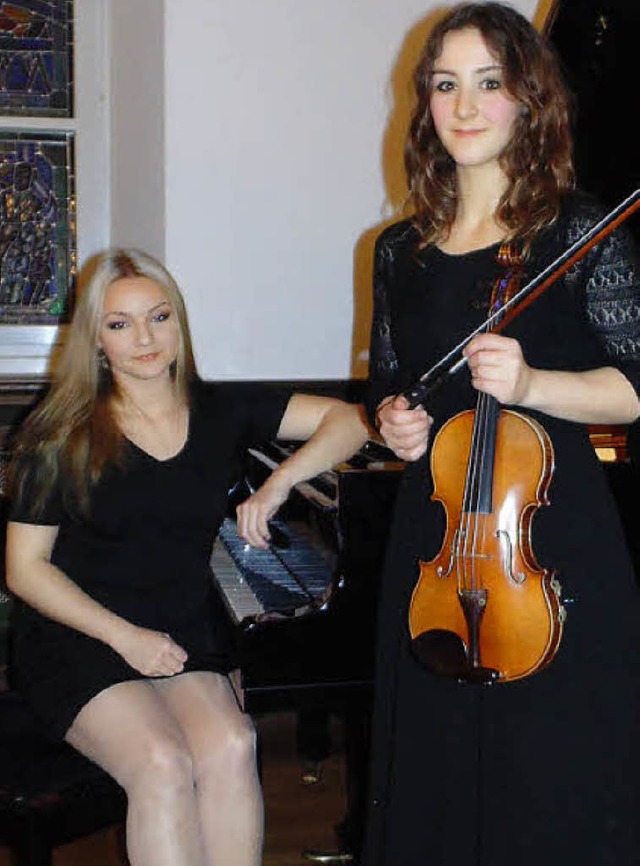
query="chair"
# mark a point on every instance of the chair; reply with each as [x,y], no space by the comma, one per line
[49,793]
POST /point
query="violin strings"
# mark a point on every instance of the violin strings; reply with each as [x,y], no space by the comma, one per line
[483,410]
[467,505]
[471,500]
[485,417]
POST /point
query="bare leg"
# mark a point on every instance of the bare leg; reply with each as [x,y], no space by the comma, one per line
[221,742]
[128,730]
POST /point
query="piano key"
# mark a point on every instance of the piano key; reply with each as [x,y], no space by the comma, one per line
[285,581]
[240,599]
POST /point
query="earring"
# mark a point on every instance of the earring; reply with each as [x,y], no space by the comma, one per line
[103,362]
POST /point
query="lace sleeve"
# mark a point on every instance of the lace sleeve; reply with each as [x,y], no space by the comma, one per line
[613,301]
[383,363]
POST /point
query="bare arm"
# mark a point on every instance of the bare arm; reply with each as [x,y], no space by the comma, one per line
[334,431]
[600,396]
[33,577]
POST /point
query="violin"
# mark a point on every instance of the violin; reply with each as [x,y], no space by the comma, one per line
[483,609]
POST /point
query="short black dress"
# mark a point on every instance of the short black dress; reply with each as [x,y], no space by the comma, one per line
[143,552]
[545,769]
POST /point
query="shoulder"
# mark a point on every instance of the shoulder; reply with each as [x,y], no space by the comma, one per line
[205,396]
[239,405]
[395,250]
[396,237]
[211,398]
[35,489]
[580,212]
[617,251]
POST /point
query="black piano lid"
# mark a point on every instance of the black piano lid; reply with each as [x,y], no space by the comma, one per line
[597,42]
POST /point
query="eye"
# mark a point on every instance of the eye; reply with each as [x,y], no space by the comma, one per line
[491,84]
[445,85]
[161,316]
[116,325]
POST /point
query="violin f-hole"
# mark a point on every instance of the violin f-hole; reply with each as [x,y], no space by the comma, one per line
[443,572]
[506,545]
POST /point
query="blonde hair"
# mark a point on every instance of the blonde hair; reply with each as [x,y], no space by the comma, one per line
[73,434]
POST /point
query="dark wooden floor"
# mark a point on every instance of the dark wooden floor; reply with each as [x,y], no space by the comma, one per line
[297,816]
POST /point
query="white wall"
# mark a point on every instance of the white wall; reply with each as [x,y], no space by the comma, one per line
[282,142]
[136,86]
[253,145]
[91,121]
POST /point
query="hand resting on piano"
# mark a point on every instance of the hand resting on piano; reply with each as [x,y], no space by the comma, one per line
[334,431]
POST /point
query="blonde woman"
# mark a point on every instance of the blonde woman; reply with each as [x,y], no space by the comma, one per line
[120,482]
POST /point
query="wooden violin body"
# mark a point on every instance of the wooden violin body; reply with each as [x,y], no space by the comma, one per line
[483,609]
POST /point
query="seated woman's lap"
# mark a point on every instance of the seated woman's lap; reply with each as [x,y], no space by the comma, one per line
[168,720]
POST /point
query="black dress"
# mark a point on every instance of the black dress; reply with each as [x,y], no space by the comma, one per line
[544,769]
[144,553]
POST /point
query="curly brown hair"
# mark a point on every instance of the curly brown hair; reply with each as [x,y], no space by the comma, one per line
[537,162]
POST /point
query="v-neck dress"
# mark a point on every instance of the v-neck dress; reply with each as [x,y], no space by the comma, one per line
[545,769]
[143,552]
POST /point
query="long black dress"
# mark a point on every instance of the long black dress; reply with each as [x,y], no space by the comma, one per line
[544,769]
[143,551]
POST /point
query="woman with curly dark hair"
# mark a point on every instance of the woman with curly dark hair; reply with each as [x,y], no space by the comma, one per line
[543,768]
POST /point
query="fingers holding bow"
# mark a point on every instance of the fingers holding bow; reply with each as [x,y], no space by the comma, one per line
[404,430]
[498,368]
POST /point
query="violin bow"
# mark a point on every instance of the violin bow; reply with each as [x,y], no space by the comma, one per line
[451,363]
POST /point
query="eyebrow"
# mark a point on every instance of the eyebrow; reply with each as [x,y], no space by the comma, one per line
[479,71]
[124,313]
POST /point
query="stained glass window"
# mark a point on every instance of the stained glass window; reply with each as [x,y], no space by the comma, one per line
[36,57]
[37,226]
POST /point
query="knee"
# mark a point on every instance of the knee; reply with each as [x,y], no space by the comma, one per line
[163,769]
[233,754]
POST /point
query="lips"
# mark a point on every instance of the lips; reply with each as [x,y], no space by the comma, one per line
[151,356]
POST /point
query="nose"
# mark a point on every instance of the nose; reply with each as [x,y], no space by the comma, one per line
[143,332]
[465,105]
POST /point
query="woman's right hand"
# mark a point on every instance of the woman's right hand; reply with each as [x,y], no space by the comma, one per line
[404,430]
[152,653]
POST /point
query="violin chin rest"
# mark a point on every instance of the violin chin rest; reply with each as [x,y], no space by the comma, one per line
[445,653]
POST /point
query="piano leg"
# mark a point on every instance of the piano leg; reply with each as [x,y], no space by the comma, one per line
[313,742]
[327,857]
[355,718]
[357,738]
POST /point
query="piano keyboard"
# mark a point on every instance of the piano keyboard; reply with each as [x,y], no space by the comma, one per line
[283,581]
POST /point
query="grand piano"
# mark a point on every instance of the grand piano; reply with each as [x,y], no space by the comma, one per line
[304,609]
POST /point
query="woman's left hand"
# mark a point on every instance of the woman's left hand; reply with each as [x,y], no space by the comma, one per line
[254,513]
[498,368]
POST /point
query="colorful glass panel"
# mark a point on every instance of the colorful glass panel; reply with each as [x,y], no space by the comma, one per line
[37,227]
[36,57]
